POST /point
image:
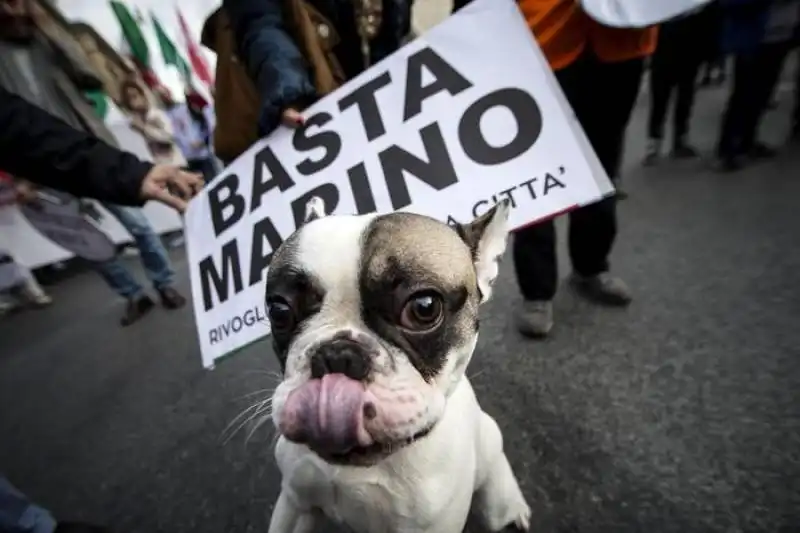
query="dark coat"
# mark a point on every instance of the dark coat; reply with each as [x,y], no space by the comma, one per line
[276,64]
[41,148]
[744,24]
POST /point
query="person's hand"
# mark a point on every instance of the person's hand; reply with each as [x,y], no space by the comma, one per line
[26,192]
[292,118]
[171,186]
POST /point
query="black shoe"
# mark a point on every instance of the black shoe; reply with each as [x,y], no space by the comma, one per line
[136,309]
[77,527]
[171,299]
[761,151]
[684,150]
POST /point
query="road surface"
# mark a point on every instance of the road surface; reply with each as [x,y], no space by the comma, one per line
[680,414]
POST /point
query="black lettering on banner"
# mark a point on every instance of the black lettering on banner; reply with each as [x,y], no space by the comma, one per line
[479,203]
[364,98]
[509,196]
[236,324]
[551,182]
[437,171]
[529,185]
[446,79]
[327,192]
[260,258]
[268,173]
[303,141]
[213,336]
[529,125]
[249,318]
[362,190]
[451,221]
[231,267]
[219,203]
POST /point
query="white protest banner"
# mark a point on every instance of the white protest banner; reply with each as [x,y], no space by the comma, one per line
[457,120]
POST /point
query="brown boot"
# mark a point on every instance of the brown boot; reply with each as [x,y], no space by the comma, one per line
[171,299]
[136,309]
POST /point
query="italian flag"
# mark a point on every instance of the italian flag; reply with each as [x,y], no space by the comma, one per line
[170,52]
[139,52]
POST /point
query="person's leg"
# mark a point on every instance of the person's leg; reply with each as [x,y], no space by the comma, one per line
[534,247]
[736,109]
[20,515]
[123,283]
[153,254]
[534,256]
[661,85]
[686,86]
[768,65]
[796,115]
[593,229]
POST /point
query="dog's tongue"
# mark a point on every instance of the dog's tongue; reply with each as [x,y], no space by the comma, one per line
[327,414]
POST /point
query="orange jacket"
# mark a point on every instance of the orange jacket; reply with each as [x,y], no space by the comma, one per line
[563,31]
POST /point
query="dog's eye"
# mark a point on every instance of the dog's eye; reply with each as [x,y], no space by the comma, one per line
[281,316]
[422,312]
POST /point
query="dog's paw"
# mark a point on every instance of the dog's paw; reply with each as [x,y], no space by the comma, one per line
[522,520]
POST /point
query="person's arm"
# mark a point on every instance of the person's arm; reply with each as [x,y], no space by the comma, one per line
[47,151]
[272,58]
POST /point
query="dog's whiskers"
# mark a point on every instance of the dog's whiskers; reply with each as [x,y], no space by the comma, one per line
[246,416]
[270,390]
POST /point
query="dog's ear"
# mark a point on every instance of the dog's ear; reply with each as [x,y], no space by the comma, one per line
[486,237]
[315,208]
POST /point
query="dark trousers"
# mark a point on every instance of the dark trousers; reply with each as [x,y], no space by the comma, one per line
[673,69]
[602,96]
[755,75]
[796,120]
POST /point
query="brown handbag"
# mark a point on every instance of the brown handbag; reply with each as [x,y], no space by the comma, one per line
[237,102]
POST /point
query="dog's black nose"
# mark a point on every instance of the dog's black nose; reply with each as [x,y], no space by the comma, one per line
[341,356]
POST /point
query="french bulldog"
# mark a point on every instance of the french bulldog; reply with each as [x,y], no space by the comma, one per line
[374,320]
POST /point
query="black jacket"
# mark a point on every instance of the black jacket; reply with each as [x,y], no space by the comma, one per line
[39,147]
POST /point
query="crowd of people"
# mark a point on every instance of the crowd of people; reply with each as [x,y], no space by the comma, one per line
[44,72]
[756,38]
[274,61]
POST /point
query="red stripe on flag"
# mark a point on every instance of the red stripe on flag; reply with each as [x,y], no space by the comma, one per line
[198,61]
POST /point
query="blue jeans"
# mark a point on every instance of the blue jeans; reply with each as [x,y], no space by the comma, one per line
[18,515]
[151,250]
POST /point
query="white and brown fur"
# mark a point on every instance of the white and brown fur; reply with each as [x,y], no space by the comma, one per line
[348,275]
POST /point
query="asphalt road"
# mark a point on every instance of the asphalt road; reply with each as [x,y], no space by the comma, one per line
[680,414]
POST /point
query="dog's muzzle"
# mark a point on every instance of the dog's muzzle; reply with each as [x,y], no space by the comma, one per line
[328,411]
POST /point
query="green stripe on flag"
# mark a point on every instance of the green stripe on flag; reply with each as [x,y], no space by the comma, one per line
[132,33]
[169,52]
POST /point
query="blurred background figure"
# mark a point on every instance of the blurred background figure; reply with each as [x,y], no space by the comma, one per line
[54,77]
[683,44]
[18,285]
[198,135]
[713,69]
[275,58]
[760,34]
[152,123]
